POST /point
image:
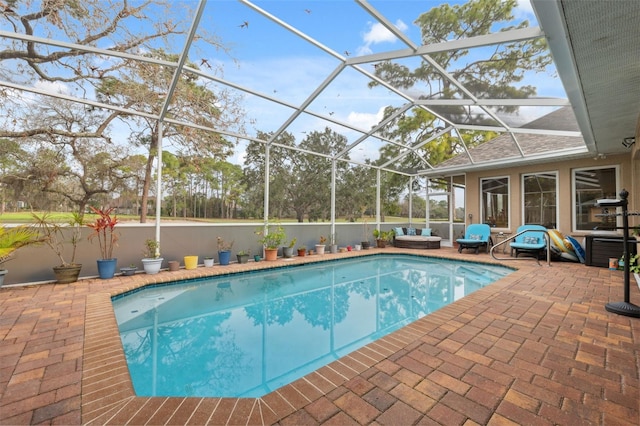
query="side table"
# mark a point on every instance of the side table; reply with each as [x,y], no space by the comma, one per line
[501,236]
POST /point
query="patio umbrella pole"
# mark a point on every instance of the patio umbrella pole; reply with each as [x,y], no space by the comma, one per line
[625,308]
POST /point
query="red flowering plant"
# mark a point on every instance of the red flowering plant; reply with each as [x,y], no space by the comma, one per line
[103,230]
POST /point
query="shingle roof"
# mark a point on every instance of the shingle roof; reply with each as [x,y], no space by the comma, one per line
[504,147]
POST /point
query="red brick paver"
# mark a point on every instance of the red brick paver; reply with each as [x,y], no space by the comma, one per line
[536,347]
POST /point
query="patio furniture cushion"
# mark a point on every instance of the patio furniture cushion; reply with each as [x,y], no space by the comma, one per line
[476,235]
[398,231]
[522,245]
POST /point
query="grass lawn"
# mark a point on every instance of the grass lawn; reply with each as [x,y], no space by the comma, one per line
[25,217]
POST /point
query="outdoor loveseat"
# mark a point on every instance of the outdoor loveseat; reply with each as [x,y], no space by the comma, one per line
[415,238]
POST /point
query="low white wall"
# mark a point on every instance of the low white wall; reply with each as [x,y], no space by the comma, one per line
[35,263]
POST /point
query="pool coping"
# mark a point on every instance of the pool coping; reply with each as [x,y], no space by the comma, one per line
[107,394]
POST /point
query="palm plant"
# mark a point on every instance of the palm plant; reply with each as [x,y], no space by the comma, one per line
[52,234]
[11,239]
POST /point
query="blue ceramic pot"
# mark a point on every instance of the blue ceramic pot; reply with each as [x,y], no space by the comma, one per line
[107,268]
[225,257]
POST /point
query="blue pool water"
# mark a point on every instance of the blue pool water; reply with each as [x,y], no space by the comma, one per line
[245,335]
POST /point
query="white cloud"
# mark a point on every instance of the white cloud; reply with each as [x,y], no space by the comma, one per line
[52,86]
[364,120]
[378,33]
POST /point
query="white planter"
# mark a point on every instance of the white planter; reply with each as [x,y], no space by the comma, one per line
[320,248]
[208,262]
[357,247]
[3,272]
[152,266]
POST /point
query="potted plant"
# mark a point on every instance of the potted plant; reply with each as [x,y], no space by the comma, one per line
[174,265]
[377,236]
[53,235]
[321,246]
[333,247]
[208,261]
[243,256]
[634,267]
[272,237]
[152,262]
[302,251]
[224,250]
[365,235]
[104,232]
[11,239]
[287,251]
[190,261]
[129,270]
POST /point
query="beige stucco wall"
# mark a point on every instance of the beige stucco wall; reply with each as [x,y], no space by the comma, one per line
[629,177]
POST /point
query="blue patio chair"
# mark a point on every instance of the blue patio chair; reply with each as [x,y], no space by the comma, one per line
[532,242]
[477,235]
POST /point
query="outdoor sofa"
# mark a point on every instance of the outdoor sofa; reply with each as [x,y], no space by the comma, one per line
[415,238]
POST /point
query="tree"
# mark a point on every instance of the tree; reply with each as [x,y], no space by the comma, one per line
[280,176]
[12,178]
[143,86]
[309,188]
[497,77]
[123,83]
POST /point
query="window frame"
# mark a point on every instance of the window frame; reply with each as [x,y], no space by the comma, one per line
[508,215]
[557,191]
[574,213]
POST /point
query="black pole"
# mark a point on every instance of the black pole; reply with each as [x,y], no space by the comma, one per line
[625,308]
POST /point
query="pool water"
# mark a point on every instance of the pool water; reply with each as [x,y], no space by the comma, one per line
[245,335]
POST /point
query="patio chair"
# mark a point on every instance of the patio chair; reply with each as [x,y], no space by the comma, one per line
[532,242]
[477,235]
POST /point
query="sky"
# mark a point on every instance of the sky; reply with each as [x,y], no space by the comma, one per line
[287,57]
[270,59]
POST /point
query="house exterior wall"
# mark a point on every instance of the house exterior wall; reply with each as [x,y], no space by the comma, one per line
[629,180]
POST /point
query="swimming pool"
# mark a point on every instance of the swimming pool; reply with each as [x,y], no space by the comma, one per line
[247,334]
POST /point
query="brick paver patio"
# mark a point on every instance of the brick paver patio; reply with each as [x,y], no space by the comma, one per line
[534,348]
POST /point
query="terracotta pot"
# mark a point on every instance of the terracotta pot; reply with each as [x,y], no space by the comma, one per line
[270,254]
[302,252]
[174,265]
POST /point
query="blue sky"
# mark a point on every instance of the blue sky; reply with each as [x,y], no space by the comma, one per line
[270,59]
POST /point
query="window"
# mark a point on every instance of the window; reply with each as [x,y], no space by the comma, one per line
[589,185]
[495,201]
[540,199]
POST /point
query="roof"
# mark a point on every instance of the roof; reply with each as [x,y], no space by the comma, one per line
[503,148]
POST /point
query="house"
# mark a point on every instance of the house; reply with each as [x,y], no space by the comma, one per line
[550,189]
